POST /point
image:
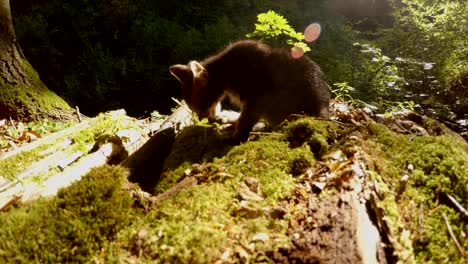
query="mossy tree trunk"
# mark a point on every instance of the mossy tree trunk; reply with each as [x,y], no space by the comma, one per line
[22,94]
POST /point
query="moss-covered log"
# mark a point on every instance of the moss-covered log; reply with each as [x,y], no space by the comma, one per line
[316,191]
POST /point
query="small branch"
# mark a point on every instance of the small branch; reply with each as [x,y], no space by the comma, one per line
[450,201]
[180,118]
[14,200]
[322,119]
[13,123]
[452,235]
[266,133]
[12,139]
[78,114]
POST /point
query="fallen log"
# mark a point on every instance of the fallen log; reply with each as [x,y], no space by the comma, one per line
[180,118]
[72,166]
[74,173]
[49,139]
[151,156]
[143,155]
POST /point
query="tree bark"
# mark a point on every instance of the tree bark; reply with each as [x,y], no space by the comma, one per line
[22,94]
[10,51]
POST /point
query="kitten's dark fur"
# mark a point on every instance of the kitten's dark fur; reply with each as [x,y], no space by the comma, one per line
[264,82]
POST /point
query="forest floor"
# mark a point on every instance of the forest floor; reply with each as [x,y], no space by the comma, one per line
[358,188]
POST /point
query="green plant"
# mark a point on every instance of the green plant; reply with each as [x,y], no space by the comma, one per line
[344,92]
[274,27]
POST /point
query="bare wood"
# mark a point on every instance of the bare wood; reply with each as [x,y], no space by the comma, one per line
[69,160]
[132,139]
[15,192]
[12,192]
[18,192]
[73,173]
[40,166]
[150,156]
[161,142]
[78,114]
[180,118]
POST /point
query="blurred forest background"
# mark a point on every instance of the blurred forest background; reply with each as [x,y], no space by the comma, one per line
[109,54]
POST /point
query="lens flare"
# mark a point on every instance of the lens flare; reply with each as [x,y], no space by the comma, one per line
[312,32]
[297,52]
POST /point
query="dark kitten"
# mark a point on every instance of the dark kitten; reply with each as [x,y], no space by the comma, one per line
[264,82]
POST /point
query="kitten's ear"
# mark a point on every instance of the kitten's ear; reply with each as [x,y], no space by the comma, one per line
[197,69]
[182,73]
[200,74]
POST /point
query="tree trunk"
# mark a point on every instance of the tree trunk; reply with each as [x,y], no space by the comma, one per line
[22,93]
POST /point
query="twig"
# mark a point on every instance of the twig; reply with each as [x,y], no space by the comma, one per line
[267,133]
[452,235]
[78,114]
[454,204]
[322,119]
[12,139]
[182,104]
[13,123]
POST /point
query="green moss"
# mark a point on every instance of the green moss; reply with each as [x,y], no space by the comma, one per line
[269,161]
[300,164]
[432,237]
[32,102]
[170,177]
[205,221]
[313,132]
[200,224]
[194,144]
[440,165]
[69,227]
[12,166]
